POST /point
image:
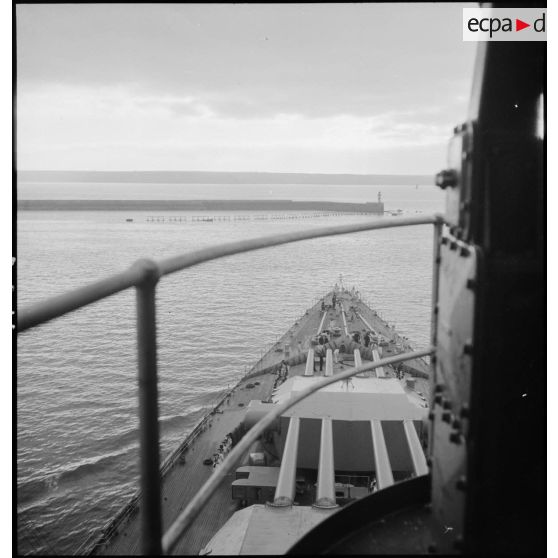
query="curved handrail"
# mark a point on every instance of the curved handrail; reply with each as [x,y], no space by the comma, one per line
[143,270]
[144,276]
[182,522]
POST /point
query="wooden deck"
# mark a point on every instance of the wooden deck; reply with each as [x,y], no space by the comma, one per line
[183,481]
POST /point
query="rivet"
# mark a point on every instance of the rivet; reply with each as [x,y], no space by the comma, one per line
[456,424]
[455,437]
[447,404]
[461,483]
[453,245]
[446,416]
[432,549]
[437,399]
[439,388]
[464,411]
[444,240]
[465,252]
[471,284]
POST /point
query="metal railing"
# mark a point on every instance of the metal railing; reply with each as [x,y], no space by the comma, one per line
[144,276]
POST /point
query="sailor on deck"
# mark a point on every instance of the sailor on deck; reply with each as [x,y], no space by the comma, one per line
[336,356]
[284,370]
[320,350]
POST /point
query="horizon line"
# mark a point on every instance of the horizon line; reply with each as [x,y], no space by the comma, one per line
[231,172]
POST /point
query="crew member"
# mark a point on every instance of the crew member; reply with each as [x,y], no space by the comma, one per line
[321,350]
[336,356]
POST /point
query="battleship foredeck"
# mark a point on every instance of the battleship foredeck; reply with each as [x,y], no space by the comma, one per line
[338,331]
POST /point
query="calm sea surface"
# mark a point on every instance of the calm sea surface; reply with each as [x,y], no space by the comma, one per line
[77,457]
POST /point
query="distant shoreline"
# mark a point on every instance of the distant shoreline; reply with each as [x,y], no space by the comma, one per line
[203,177]
[198,205]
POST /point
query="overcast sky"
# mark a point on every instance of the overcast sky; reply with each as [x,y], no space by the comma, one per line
[358,88]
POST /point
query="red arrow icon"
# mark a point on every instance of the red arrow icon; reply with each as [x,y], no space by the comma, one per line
[519,25]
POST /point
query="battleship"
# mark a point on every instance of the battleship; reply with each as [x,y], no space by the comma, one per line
[358,435]
[368,449]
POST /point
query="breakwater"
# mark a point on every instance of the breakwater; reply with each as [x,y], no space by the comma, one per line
[376,208]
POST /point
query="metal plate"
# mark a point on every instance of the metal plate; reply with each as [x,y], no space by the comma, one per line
[458,267]
[458,198]
[453,193]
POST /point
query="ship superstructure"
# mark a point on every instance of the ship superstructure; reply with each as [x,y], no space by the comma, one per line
[338,445]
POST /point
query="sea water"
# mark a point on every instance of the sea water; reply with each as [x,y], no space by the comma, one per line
[77,420]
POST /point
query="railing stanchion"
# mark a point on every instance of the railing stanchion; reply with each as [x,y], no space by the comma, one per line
[150,506]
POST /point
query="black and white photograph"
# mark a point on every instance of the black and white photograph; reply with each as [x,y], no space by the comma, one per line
[279,278]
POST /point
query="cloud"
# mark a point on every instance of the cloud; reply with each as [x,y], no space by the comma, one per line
[176,106]
[251,61]
[63,126]
[313,87]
